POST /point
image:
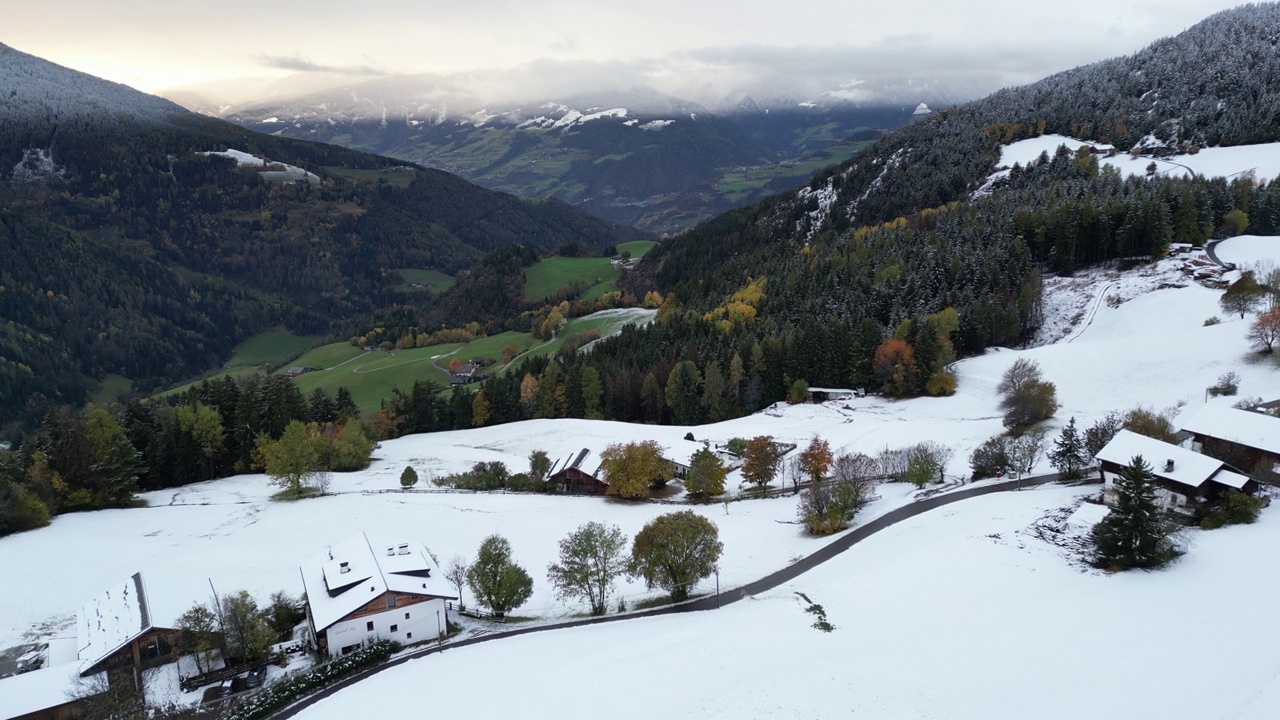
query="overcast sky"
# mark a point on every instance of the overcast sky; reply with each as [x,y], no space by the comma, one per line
[695,48]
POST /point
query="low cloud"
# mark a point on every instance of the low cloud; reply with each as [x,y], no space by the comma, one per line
[298,63]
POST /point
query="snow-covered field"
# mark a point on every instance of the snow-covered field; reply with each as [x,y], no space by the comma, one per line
[934,595]
[1261,162]
[960,613]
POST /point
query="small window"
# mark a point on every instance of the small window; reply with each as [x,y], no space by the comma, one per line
[408,636]
[391,601]
[394,628]
[406,616]
[369,626]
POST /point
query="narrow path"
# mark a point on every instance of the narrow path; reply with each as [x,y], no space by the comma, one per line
[1093,313]
[1211,249]
[764,584]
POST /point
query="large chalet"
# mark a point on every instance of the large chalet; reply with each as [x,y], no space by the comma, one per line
[1183,478]
[371,588]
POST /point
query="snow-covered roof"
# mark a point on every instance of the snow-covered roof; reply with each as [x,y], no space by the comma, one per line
[1242,427]
[1231,479]
[38,690]
[681,452]
[1086,516]
[109,621]
[363,567]
[1189,468]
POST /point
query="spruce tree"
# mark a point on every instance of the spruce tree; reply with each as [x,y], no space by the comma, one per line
[1068,455]
[1135,534]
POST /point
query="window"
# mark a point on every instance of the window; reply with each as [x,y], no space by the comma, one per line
[394,628]
[391,601]
[369,626]
[408,636]
[406,616]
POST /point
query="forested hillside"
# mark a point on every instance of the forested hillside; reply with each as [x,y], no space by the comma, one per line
[132,251]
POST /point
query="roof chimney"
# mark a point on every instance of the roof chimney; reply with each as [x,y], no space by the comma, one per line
[1168,465]
[344,567]
[391,550]
[404,549]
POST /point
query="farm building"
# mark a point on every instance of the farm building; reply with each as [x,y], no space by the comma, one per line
[1249,440]
[1183,478]
[367,589]
[570,476]
[116,641]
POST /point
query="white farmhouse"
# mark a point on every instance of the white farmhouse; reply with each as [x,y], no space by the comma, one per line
[370,588]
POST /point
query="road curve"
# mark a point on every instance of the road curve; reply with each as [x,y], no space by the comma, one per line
[764,584]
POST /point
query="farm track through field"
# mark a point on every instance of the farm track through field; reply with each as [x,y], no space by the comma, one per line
[712,602]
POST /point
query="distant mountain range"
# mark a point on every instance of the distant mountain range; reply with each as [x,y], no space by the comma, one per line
[137,245]
[639,157]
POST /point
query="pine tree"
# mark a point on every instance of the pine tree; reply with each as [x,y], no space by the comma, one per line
[1068,455]
[1135,534]
[651,398]
[713,389]
[409,477]
[682,393]
[591,393]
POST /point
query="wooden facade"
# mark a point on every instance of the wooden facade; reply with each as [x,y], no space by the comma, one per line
[573,481]
[1237,454]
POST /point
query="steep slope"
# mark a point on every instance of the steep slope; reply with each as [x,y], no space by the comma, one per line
[136,251]
[1218,83]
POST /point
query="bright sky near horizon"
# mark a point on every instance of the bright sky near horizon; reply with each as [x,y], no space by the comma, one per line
[695,48]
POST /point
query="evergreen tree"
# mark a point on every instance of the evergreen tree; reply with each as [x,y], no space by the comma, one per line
[344,406]
[1135,534]
[409,477]
[1068,455]
[713,393]
[652,400]
[682,393]
[591,393]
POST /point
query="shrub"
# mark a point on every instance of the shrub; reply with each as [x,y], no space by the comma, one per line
[1232,508]
[1212,320]
[1228,384]
[409,477]
[991,458]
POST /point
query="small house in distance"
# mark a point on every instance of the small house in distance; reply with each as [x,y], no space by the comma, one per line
[1249,440]
[366,589]
[570,476]
[1183,478]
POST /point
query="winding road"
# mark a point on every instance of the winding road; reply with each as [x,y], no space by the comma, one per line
[768,582]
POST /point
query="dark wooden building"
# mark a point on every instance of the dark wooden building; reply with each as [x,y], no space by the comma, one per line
[570,475]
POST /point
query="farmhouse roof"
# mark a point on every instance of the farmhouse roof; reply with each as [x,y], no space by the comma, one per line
[361,568]
[109,621]
[1189,468]
[1243,427]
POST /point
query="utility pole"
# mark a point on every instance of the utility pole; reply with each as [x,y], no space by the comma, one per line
[717,588]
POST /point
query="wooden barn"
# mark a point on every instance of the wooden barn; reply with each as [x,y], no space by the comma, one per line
[570,476]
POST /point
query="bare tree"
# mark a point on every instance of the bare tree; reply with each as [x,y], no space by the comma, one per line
[792,471]
[892,464]
[1027,449]
[457,574]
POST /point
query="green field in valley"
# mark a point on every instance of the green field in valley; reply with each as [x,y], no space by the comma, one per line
[637,248]
[737,185]
[557,273]
[269,346]
[433,280]
[391,176]
[371,376]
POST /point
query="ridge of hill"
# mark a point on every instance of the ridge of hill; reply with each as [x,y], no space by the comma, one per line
[146,241]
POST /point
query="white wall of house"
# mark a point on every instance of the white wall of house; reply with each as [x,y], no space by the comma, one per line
[1167,499]
[424,621]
